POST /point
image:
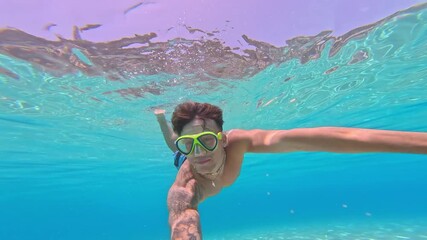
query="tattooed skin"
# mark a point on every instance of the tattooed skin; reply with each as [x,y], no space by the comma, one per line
[187,226]
[183,198]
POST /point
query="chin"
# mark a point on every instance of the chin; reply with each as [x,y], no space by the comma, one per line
[207,167]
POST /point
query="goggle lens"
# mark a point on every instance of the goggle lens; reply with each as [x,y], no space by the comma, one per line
[208,141]
[185,145]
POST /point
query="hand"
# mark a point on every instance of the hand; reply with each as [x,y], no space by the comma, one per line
[159,111]
[184,193]
[160,114]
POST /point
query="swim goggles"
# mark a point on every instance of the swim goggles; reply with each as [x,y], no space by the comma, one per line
[207,140]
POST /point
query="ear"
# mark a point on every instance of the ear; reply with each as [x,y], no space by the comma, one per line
[224,139]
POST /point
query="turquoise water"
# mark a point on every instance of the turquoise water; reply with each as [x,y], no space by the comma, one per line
[81,155]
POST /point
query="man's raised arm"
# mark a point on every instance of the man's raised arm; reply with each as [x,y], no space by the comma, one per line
[167,131]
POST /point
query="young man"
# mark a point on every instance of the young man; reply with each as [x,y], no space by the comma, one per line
[210,159]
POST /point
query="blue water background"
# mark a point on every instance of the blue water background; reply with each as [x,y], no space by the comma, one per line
[72,168]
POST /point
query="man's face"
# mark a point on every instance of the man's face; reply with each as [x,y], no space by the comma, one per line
[202,160]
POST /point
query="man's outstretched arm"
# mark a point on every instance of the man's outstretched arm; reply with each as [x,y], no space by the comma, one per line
[335,139]
[183,199]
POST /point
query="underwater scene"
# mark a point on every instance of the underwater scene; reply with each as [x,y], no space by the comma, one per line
[82,155]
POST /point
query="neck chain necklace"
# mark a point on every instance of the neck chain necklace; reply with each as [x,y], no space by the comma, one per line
[212,176]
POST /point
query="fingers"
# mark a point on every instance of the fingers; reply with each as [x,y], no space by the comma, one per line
[159,111]
[184,175]
[196,194]
[186,180]
[191,185]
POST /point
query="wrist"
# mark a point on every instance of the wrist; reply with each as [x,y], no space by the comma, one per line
[161,117]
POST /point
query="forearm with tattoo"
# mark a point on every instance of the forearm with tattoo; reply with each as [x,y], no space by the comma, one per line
[187,226]
[183,216]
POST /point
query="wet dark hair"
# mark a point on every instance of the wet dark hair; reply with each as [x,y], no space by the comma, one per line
[188,111]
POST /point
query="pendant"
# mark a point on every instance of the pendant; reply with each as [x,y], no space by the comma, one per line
[213,184]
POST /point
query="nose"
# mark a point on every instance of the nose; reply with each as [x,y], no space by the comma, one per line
[199,151]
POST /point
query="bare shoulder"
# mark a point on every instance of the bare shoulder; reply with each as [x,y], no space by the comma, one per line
[243,139]
[237,145]
[238,135]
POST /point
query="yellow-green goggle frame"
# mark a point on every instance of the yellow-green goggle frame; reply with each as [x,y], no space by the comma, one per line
[197,139]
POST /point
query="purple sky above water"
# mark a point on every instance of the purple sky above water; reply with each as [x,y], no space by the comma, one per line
[270,21]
